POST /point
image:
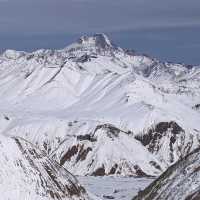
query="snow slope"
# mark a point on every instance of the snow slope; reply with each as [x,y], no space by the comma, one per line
[98,109]
[26,173]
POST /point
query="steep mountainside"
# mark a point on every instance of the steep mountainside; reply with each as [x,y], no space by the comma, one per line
[98,109]
[181,181]
[26,173]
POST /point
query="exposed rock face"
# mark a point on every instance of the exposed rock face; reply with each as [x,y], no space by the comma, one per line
[180,182]
[107,150]
[196,107]
[149,139]
[169,136]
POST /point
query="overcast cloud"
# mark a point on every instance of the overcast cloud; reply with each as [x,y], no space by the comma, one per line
[44,16]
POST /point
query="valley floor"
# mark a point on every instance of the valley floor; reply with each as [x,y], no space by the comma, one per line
[114,187]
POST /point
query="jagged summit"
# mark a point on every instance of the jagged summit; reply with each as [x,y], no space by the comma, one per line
[96,43]
[99,40]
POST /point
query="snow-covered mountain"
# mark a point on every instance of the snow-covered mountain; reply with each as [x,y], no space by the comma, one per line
[181,181]
[98,109]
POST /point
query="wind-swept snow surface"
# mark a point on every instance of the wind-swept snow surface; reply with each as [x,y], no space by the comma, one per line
[97,109]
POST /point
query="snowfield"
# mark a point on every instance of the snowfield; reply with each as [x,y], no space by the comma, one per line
[119,188]
[96,109]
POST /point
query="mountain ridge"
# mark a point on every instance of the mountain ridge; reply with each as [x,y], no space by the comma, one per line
[52,98]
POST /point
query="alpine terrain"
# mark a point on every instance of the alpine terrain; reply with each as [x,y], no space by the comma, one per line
[96,109]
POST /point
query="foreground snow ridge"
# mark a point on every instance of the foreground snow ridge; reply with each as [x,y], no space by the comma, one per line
[95,109]
[181,181]
[27,173]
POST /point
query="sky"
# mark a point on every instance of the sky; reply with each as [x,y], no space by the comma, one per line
[168,30]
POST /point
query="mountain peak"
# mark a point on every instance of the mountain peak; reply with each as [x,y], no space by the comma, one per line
[99,40]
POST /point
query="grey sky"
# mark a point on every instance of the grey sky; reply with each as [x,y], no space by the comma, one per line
[43,16]
[39,18]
